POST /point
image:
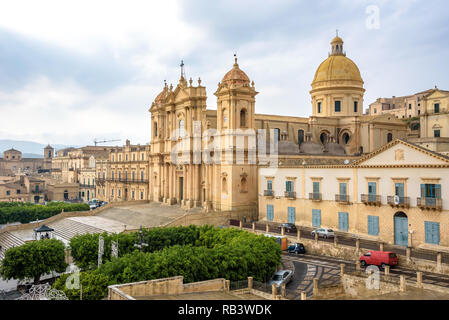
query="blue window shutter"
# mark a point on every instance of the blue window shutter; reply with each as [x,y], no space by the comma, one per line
[291,215]
[270,185]
[438,191]
[343,188]
[316,218]
[316,187]
[428,231]
[436,233]
[270,212]
[423,190]
[373,225]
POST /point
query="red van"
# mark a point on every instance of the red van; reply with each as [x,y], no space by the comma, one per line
[379,258]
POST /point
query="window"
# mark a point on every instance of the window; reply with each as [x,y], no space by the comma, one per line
[141,175]
[133,174]
[112,192]
[436,108]
[432,191]
[373,225]
[8,193]
[155,129]
[112,175]
[389,137]
[270,212]
[437,133]
[399,190]
[132,192]
[343,191]
[119,157]
[346,138]
[372,191]
[289,186]
[141,195]
[319,107]
[300,136]
[432,230]
[291,215]
[126,157]
[181,128]
[119,192]
[355,106]
[343,221]
[243,118]
[142,156]
[134,157]
[316,218]
[269,185]
[243,185]
[337,106]
[375,110]
[316,187]
[410,107]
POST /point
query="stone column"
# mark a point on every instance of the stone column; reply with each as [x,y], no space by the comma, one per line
[282,231]
[408,253]
[273,291]
[342,269]
[419,279]
[254,227]
[240,224]
[387,271]
[381,246]
[250,282]
[315,286]
[299,235]
[439,262]
[357,265]
[303,295]
[316,237]
[267,228]
[228,285]
[335,241]
[357,244]
[402,286]
[283,292]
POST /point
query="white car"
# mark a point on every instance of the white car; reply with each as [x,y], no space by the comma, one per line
[280,277]
[324,232]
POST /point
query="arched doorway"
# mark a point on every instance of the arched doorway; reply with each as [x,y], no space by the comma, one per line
[401,229]
[66,195]
[323,138]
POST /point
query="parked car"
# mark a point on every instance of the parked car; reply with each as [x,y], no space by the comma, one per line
[289,227]
[280,277]
[296,248]
[323,232]
[379,258]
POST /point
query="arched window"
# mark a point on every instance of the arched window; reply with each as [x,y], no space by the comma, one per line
[181,128]
[300,136]
[243,118]
[155,129]
[224,186]
[244,185]
[389,137]
[346,138]
[323,138]
[133,175]
[141,175]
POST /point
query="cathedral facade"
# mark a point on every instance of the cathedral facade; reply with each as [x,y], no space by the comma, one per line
[181,124]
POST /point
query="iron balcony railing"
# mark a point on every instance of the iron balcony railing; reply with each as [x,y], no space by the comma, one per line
[371,199]
[87,186]
[430,203]
[128,180]
[396,201]
[290,194]
[268,193]
[342,198]
[314,196]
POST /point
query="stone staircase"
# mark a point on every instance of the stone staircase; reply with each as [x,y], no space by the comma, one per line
[8,240]
[67,228]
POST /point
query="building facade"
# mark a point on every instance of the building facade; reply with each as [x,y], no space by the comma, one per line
[124,175]
[397,194]
[337,127]
[14,161]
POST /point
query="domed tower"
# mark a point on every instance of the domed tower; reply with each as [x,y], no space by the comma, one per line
[337,88]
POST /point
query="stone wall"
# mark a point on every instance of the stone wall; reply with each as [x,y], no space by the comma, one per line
[166,286]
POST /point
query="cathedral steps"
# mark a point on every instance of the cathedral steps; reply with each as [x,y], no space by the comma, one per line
[7,241]
[67,228]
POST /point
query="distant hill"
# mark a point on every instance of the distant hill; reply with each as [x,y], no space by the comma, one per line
[29,149]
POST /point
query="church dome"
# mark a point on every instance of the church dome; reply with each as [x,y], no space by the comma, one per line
[235,75]
[337,67]
[161,96]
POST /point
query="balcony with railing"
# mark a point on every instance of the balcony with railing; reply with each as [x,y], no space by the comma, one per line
[314,196]
[396,201]
[89,186]
[371,199]
[268,193]
[290,195]
[342,198]
[430,203]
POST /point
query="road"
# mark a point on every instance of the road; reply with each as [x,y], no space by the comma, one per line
[327,271]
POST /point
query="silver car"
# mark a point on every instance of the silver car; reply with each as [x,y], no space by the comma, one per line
[324,232]
[280,277]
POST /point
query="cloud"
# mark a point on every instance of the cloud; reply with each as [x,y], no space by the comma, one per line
[71,71]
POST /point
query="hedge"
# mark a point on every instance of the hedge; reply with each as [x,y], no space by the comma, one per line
[196,253]
[27,212]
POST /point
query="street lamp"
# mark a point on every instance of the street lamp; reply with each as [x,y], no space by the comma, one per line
[141,244]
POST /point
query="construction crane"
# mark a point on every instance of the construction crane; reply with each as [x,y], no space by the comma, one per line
[103,141]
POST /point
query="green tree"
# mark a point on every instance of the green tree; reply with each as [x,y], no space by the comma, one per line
[33,259]
[94,286]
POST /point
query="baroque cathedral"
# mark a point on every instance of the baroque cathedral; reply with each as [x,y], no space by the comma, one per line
[337,129]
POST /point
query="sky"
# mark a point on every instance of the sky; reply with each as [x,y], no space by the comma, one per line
[75,71]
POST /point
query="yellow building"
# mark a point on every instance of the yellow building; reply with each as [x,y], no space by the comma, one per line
[124,175]
[337,127]
[397,195]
